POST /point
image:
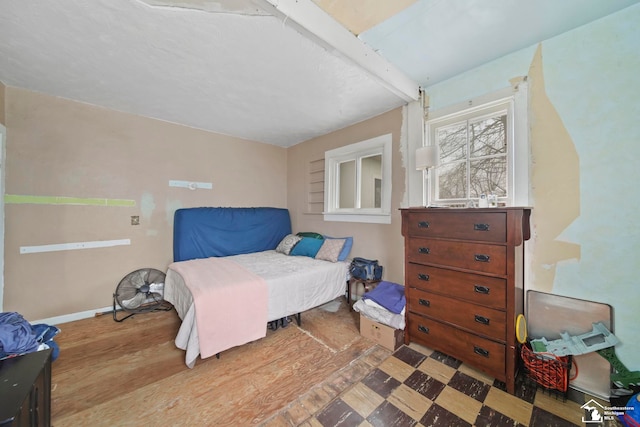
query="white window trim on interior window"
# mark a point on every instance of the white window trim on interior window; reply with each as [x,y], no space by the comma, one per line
[515,100]
[378,145]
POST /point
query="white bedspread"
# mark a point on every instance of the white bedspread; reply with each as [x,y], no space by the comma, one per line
[295,284]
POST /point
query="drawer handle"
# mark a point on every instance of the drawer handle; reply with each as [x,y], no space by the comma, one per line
[481,258]
[423,250]
[423,224]
[481,227]
[424,302]
[423,276]
[482,319]
[481,289]
[423,329]
[481,351]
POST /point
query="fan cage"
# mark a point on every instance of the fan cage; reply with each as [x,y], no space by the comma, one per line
[140,291]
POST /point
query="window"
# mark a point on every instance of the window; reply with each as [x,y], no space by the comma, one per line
[479,153]
[358,182]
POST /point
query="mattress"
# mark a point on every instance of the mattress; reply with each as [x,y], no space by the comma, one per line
[207,232]
[295,284]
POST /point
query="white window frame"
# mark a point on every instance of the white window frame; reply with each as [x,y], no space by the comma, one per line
[515,102]
[380,145]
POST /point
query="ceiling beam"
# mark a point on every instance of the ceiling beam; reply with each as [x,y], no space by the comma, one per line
[321,27]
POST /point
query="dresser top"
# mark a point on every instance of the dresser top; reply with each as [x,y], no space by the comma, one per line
[445,209]
[464,223]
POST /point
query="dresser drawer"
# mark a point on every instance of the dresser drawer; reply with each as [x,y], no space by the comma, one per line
[485,290]
[483,354]
[470,256]
[475,318]
[477,226]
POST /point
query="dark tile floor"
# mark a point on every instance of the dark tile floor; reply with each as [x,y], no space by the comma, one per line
[415,386]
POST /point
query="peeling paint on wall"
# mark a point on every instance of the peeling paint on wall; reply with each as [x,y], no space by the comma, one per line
[555,182]
[584,142]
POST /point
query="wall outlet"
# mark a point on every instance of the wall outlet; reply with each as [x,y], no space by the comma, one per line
[135,220]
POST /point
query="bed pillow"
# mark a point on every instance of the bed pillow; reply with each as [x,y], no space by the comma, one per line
[310,234]
[330,249]
[308,246]
[344,253]
[286,244]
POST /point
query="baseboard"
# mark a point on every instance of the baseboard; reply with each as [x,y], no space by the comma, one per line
[73,316]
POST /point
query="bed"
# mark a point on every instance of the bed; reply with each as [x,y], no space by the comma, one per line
[231,253]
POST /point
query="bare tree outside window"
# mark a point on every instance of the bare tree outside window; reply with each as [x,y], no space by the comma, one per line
[484,148]
[473,158]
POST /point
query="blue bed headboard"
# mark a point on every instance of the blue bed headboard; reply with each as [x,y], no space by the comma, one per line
[207,232]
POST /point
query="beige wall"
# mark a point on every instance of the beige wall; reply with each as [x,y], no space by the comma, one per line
[377,241]
[57,147]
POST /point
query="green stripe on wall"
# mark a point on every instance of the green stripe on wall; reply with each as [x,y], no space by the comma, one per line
[53,200]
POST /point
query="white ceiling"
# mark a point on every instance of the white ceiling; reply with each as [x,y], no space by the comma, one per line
[275,71]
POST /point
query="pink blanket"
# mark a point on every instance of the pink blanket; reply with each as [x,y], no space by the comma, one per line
[230,303]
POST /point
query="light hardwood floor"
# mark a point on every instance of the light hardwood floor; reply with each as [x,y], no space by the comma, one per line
[131,373]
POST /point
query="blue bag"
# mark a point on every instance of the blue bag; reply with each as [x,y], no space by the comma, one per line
[365,269]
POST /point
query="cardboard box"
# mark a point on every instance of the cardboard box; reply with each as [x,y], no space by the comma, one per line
[384,335]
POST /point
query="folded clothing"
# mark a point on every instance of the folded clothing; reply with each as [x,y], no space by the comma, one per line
[389,295]
[380,314]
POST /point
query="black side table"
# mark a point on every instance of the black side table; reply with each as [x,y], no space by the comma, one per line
[25,390]
[353,284]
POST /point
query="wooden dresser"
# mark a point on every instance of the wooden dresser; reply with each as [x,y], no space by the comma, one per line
[464,284]
[25,390]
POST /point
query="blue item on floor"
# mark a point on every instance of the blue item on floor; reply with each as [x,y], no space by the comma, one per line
[631,416]
[389,295]
[18,336]
[44,335]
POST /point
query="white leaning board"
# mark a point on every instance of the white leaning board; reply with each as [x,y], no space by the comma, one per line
[548,315]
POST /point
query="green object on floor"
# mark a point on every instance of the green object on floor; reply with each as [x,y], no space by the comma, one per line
[538,346]
[623,377]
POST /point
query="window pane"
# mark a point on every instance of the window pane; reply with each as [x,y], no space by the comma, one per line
[452,181]
[489,176]
[347,180]
[452,141]
[371,182]
[488,137]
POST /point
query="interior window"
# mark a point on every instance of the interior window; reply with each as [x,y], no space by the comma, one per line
[358,181]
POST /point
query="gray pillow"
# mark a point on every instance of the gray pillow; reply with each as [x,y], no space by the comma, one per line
[286,244]
[330,249]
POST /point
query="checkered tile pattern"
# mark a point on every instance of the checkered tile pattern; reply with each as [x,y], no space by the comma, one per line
[419,387]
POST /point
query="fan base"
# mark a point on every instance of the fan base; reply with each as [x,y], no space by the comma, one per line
[144,308]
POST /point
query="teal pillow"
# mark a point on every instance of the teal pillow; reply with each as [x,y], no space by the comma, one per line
[308,246]
[344,253]
[310,234]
